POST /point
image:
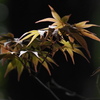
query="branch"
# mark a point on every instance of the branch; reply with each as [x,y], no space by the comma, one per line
[47,88]
[71,93]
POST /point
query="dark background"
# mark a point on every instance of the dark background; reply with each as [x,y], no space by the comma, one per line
[77,78]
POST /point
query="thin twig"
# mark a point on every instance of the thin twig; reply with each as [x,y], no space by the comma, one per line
[67,91]
[47,88]
[97,83]
[71,93]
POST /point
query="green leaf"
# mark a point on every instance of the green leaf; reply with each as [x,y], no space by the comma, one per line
[66,18]
[70,51]
[44,63]
[15,63]
[51,60]
[34,37]
[35,61]
[33,33]
[68,47]
[10,67]
[66,43]
[46,66]
[65,54]
[54,14]
[20,68]
[55,48]
[80,53]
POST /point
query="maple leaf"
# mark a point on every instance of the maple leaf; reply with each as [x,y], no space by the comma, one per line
[70,48]
[58,21]
[73,32]
[80,27]
[40,46]
[33,34]
[15,64]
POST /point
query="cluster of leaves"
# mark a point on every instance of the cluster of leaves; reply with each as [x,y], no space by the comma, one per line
[40,46]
